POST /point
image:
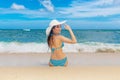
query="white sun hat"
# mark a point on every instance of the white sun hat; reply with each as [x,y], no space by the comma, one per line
[52,24]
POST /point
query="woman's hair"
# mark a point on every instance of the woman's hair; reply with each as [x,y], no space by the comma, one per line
[50,37]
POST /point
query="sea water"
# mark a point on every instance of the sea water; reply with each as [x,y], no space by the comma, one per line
[35,40]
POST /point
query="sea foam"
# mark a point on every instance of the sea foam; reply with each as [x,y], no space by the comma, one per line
[90,47]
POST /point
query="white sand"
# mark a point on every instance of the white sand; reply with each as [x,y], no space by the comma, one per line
[61,73]
[82,66]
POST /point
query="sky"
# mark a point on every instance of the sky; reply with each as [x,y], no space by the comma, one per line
[80,14]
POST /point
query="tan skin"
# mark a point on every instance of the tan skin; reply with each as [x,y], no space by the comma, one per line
[58,39]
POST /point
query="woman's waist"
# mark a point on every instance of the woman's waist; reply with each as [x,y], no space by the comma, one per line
[58,56]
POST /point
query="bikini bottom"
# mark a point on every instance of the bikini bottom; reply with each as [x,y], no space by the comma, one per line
[60,62]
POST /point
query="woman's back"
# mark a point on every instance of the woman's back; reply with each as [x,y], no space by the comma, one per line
[56,48]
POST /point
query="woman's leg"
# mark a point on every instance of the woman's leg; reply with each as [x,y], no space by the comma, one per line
[66,64]
[50,64]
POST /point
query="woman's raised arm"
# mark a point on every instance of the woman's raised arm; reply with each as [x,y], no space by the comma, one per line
[67,40]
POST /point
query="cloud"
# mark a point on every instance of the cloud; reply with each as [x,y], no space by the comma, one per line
[102,3]
[76,9]
[41,13]
[91,9]
[47,4]
[107,3]
[23,24]
[17,6]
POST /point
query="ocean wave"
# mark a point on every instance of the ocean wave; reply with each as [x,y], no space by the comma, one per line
[97,47]
[11,47]
[90,47]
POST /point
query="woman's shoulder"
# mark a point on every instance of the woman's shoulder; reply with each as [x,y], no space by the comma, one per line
[57,38]
[60,37]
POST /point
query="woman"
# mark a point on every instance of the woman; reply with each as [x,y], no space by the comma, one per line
[55,42]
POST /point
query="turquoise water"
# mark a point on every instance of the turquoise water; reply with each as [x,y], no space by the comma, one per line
[22,36]
[104,36]
[34,40]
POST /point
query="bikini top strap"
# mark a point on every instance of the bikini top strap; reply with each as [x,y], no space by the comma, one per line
[53,49]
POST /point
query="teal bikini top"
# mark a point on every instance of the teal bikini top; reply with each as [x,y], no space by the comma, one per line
[53,49]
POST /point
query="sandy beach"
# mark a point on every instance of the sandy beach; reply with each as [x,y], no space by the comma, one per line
[74,59]
[82,66]
[60,73]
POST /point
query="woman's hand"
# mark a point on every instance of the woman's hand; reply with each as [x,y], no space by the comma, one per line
[67,27]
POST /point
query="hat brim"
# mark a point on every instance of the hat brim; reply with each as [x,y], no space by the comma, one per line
[50,27]
[63,22]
